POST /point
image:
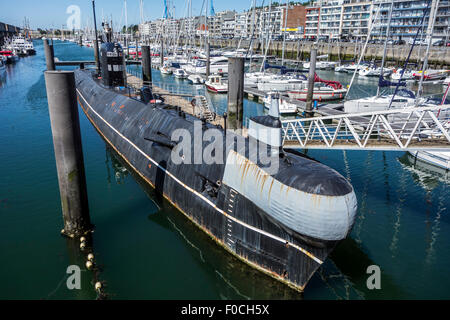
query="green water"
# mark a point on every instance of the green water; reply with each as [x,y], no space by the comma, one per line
[148,250]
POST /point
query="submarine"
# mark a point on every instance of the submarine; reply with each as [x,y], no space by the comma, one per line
[283,221]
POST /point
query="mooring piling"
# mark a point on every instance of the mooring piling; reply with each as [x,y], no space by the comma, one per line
[161,54]
[65,125]
[235,110]
[49,56]
[146,65]
[208,59]
[311,76]
[96,48]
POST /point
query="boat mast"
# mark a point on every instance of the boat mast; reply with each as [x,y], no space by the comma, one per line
[268,39]
[431,21]
[363,50]
[284,33]
[126,27]
[388,30]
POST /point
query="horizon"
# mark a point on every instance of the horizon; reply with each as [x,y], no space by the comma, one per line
[55,14]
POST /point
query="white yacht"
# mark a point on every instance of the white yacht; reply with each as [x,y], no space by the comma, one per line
[217,65]
[251,79]
[180,74]
[432,75]
[408,75]
[196,79]
[216,84]
[322,92]
[285,107]
[322,65]
[403,99]
[165,68]
[281,83]
[349,68]
[374,72]
[22,45]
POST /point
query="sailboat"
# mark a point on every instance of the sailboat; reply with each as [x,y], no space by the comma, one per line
[403,99]
[321,65]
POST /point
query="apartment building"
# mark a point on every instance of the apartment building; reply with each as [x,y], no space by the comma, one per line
[261,21]
[226,23]
[353,18]
[240,23]
[312,20]
[407,17]
[331,19]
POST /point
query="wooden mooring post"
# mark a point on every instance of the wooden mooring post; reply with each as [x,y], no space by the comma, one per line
[235,93]
[311,76]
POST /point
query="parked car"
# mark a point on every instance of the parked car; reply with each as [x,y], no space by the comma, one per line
[439,43]
[419,42]
[399,42]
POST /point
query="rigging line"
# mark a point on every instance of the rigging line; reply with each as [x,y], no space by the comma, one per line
[430,28]
[409,54]
[363,50]
[388,29]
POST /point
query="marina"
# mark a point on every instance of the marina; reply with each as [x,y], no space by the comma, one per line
[362,173]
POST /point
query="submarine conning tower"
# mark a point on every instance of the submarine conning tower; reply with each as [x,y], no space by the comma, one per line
[302,195]
[112,65]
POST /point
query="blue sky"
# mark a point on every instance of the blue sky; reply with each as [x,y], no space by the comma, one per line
[52,13]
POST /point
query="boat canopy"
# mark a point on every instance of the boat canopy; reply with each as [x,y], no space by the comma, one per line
[382,82]
[334,84]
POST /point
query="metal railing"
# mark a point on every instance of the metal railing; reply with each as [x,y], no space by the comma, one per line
[395,129]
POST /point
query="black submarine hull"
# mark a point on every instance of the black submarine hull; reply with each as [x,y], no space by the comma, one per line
[227,216]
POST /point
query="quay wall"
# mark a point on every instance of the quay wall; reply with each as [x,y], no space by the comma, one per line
[396,55]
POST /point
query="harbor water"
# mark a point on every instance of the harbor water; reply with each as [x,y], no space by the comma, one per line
[146,249]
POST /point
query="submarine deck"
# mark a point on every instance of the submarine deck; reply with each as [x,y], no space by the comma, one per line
[179,100]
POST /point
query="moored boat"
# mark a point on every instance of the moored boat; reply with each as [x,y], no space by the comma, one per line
[180,74]
[216,84]
[324,90]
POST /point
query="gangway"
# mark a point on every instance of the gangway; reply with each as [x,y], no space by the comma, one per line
[418,128]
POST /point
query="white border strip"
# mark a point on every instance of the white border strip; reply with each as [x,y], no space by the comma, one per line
[199,194]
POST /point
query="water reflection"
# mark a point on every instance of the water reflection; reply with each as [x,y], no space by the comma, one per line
[425,175]
[401,198]
[364,208]
[233,278]
[429,177]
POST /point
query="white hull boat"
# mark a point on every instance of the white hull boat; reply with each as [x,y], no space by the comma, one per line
[285,107]
[196,79]
[281,85]
[407,75]
[380,103]
[322,92]
[432,75]
[374,72]
[217,65]
[165,70]
[180,74]
[321,65]
[216,84]
[439,159]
